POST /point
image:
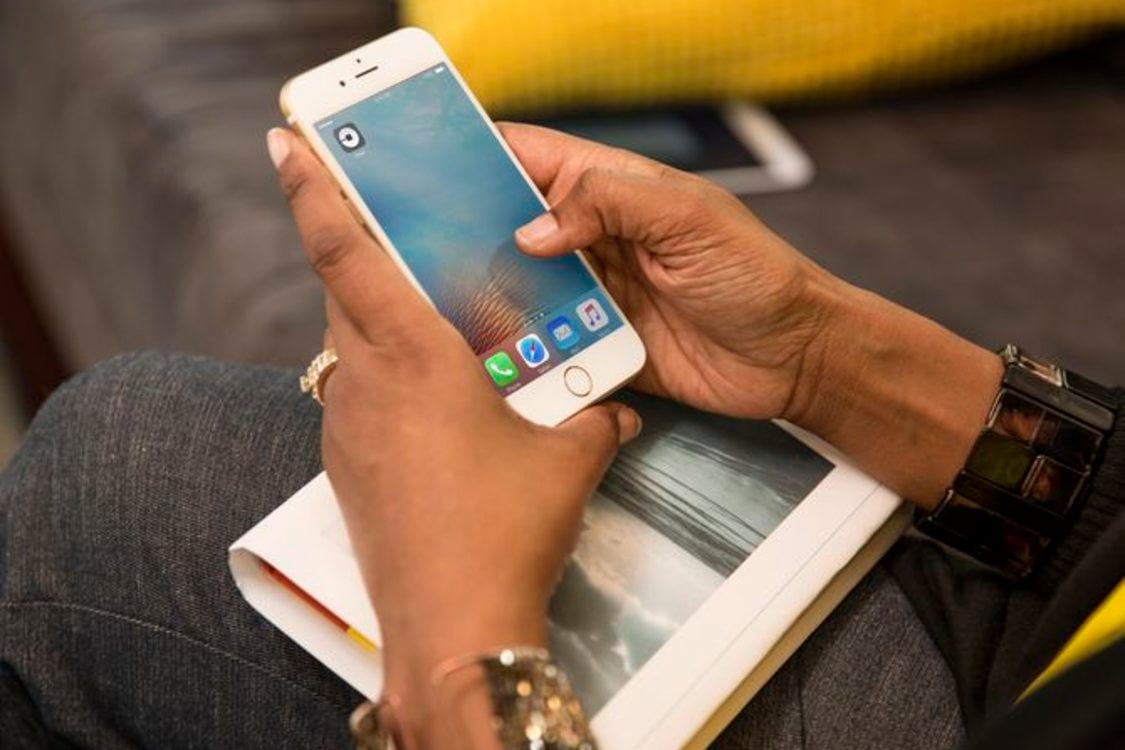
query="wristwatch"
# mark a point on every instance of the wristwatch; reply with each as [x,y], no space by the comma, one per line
[1027,473]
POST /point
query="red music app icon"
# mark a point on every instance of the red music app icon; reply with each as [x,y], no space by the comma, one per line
[592,315]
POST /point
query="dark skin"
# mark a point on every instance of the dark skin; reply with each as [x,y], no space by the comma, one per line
[734,319]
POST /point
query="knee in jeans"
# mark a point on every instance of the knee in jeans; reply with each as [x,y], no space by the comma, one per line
[106,391]
[133,405]
[64,491]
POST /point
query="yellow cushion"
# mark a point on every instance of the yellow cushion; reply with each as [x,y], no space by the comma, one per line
[526,55]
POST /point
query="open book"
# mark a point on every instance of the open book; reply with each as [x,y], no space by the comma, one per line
[711,550]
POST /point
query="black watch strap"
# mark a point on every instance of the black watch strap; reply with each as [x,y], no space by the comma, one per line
[1027,472]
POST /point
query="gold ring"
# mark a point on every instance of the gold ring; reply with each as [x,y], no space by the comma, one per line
[317,375]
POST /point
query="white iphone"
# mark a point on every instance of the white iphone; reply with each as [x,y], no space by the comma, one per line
[429,174]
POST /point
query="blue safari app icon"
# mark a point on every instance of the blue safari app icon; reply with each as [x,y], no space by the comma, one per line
[563,332]
[532,350]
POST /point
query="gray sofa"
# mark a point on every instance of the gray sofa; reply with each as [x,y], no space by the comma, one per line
[144,212]
[134,174]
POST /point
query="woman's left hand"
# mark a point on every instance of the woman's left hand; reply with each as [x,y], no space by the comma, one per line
[461,512]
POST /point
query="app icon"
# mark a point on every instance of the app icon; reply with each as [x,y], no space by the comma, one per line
[592,315]
[349,138]
[532,350]
[562,331]
[502,369]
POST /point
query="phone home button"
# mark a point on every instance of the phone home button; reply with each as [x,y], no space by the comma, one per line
[578,381]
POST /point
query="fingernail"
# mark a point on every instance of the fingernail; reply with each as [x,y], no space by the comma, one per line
[538,229]
[277,141]
[628,424]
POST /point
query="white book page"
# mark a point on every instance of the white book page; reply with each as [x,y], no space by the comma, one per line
[703,546]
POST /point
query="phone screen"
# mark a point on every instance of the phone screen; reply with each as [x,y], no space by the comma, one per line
[449,198]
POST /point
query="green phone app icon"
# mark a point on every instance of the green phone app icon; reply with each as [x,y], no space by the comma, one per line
[502,369]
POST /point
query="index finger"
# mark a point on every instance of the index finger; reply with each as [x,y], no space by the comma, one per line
[555,160]
[358,273]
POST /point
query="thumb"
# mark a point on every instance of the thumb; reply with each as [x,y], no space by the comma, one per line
[600,430]
[602,203]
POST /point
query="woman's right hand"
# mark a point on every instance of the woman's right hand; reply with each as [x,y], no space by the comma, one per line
[739,323]
[727,310]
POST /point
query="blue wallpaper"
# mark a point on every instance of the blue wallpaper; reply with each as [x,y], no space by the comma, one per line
[449,198]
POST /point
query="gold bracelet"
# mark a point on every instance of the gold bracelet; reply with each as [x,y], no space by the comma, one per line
[532,704]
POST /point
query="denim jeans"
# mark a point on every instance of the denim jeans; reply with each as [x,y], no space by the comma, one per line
[120,626]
